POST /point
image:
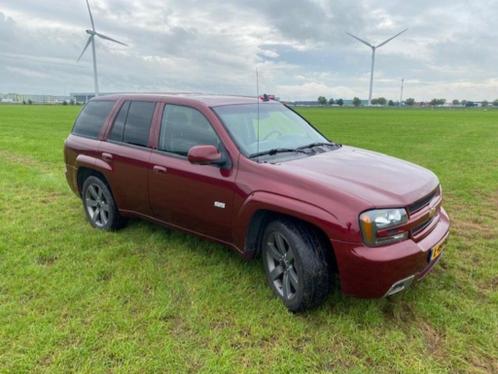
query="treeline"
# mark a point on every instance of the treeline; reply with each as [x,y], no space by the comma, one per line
[382,101]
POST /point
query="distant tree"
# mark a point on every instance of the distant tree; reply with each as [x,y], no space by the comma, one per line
[390,103]
[30,102]
[455,102]
[24,102]
[410,101]
[374,101]
[485,103]
[495,103]
[469,104]
[464,102]
[331,101]
[71,102]
[64,102]
[382,101]
[356,101]
[437,102]
[340,102]
[322,100]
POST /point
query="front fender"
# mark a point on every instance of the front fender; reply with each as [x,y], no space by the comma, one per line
[268,201]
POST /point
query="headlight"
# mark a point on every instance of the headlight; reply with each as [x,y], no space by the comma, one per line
[382,226]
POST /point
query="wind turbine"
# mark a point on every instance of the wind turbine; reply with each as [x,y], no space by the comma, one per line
[374,48]
[91,40]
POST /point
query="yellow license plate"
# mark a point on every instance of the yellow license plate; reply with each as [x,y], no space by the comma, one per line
[437,250]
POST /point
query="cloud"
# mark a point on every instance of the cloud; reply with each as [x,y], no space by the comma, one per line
[299,47]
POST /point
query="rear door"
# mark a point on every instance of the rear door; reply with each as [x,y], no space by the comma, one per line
[127,151]
[194,197]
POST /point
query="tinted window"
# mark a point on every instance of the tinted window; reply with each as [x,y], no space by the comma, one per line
[182,128]
[119,123]
[92,118]
[137,123]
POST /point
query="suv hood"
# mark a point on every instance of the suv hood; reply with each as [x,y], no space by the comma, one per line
[377,179]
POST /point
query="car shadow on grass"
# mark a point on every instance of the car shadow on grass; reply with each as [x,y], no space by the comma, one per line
[398,309]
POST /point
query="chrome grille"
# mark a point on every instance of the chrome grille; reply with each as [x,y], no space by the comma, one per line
[422,226]
[423,202]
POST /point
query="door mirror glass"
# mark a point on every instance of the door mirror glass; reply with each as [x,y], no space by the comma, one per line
[205,155]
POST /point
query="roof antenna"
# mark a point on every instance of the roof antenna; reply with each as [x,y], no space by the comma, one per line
[257,103]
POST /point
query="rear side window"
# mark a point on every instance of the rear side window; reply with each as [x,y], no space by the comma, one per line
[119,123]
[92,118]
[184,127]
[132,124]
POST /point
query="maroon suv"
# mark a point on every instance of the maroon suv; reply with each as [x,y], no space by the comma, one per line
[254,175]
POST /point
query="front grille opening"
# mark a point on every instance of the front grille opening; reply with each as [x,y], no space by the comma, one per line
[423,202]
[422,226]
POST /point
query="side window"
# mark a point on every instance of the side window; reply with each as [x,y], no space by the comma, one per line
[92,118]
[119,123]
[182,128]
[132,124]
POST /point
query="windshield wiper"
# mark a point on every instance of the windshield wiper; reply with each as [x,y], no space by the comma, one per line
[274,151]
[311,145]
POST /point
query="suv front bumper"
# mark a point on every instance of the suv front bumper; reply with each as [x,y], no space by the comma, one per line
[382,271]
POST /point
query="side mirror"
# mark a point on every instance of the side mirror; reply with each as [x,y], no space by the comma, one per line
[205,155]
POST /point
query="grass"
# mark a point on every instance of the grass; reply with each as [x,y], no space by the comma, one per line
[147,299]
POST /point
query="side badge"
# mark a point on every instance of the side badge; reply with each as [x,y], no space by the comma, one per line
[219,204]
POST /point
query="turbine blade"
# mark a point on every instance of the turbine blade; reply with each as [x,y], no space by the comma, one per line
[111,39]
[84,49]
[360,40]
[391,38]
[91,17]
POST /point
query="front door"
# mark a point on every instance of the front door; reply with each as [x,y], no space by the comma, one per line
[194,197]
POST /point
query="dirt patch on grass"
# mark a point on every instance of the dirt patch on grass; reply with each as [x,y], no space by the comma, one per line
[51,197]
[434,340]
[24,160]
[46,259]
[479,224]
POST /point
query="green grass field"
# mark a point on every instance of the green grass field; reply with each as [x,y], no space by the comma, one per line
[147,299]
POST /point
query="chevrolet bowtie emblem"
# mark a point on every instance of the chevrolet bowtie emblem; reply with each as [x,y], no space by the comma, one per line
[432,212]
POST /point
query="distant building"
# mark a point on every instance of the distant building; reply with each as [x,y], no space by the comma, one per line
[82,97]
[35,99]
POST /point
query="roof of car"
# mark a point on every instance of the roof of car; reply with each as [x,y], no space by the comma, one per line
[206,99]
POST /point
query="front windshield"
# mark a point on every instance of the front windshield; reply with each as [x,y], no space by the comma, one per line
[279,127]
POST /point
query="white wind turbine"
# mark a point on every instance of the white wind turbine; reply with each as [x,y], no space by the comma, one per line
[374,47]
[91,40]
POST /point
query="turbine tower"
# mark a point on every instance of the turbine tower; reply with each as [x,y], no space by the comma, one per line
[91,40]
[374,48]
[401,91]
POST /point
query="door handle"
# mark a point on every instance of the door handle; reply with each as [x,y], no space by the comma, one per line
[106,156]
[159,169]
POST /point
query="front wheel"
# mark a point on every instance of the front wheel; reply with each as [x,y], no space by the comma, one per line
[295,264]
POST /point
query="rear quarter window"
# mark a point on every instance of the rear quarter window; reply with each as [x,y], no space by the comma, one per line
[92,118]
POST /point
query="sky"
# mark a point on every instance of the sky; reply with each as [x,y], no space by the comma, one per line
[299,47]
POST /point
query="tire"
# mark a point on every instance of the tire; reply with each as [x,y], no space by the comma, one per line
[295,264]
[100,207]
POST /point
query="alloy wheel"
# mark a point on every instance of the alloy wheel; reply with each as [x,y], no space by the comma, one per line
[97,205]
[281,265]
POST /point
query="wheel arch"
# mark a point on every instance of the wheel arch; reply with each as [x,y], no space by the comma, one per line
[263,217]
[260,210]
[84,172]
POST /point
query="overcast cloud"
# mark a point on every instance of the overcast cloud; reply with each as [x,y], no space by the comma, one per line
[299,47]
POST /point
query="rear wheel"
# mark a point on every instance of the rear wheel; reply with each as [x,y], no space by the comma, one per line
[295,264]
[100,207]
